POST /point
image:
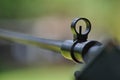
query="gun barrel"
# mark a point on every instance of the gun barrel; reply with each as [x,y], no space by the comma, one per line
[10,36]
[63,47]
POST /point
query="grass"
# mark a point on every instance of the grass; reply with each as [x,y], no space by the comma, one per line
[30,8]
[39,73]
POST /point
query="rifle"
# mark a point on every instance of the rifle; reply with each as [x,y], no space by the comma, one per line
[79,50]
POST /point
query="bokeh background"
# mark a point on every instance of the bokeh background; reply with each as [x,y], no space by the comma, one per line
[50,19]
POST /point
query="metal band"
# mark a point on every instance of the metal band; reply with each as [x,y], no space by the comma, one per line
[72,52]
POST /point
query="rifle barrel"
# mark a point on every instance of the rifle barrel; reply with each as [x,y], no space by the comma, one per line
[48,44]
[63,47]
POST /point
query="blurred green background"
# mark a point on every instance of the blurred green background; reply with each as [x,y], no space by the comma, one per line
[51,19]
[103,14]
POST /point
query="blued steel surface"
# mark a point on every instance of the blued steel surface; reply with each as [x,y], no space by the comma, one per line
[53,45]
[81,38]
[105,66]
[75,49]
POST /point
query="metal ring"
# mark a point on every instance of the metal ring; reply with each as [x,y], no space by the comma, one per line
[73,27]
[79,36]
[72,52]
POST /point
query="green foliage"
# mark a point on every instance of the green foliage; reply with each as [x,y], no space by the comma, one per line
[34,8]
[42,73]
[30,8]
[20,8]
[104,13]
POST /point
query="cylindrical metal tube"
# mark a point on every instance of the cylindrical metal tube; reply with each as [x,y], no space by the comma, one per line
[66,47]
[80,49]
[53,45]
[93,52]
